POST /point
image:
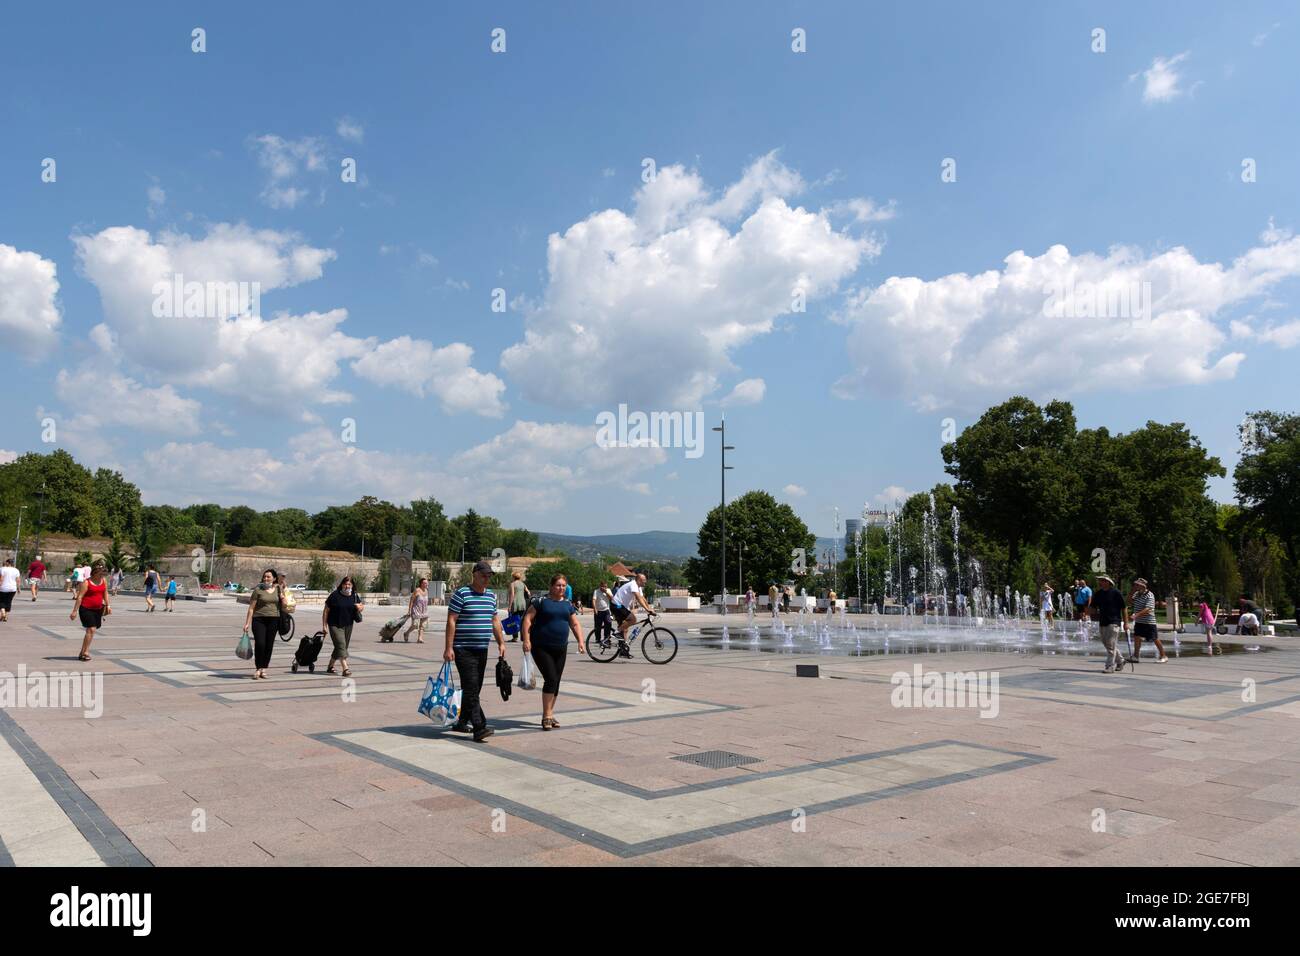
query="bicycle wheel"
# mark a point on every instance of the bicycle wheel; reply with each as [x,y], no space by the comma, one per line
[602,650]
[292,627]
[659,646]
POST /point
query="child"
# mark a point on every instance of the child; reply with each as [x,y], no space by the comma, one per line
[170,603]
[1206,617]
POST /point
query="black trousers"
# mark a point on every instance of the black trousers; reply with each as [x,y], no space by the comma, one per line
[471,665]
[604,625]
[550,661]
[265,632]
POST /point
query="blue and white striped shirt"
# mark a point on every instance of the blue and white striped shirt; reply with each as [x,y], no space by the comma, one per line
[474,616]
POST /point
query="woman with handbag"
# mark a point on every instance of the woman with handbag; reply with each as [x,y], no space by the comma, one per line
[265,605]
[343,608]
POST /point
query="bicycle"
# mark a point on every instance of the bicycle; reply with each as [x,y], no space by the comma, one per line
[658,645]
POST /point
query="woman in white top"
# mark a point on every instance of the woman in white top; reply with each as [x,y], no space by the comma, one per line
[10,581]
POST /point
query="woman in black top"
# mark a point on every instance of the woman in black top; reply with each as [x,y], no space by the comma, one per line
[546,628]
[343,608]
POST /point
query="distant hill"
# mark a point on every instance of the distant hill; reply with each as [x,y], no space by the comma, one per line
[647,545]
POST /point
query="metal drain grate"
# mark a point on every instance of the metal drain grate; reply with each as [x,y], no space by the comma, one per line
[717,759]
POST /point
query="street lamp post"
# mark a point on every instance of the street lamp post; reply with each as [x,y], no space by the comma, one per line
[18,535]
[40,521]
[724,469]
[212,560]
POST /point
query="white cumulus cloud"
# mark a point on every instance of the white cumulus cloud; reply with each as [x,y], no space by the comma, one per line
[1161,79]
[29,312]
[961,340]
[795,491]
[416,366]
[677,286]
[748,392]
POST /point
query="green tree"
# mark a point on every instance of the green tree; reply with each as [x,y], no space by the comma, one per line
[1267,479]
[119,503]
[771,533]
[319,575]
[1015,472]
[70,505]
[435,535]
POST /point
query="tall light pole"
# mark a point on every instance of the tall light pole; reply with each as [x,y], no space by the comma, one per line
[18,535]
[213,559]
[724,469]
[40,521]
[741,585]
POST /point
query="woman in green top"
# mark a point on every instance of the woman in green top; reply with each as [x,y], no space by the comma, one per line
[263,618]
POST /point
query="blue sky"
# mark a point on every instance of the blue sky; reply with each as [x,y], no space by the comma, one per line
[523,171]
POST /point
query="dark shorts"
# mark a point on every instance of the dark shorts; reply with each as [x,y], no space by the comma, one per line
[91,616]
[621,613]
[1147,632]
[7,600]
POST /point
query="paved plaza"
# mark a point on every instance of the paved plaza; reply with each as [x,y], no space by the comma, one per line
[723,757]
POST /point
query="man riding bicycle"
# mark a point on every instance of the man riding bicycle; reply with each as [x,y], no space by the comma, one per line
[626,599]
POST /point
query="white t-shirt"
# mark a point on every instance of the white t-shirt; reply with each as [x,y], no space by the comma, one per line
[624,595]
[9,578]
[598,600]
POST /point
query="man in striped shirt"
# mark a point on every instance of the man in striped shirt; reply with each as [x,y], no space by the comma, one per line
[1143,604]
[472,623]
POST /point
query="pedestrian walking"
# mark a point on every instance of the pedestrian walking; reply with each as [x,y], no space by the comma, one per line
[169,603]
[152,583]
[417,610]
[36,575]
[601,600]
[546,628]
[472,623]
[91,604]
[1142,604]
[1108,605]
[11,580]
[264,607]
[1082,599]
[519,598]
[343,608]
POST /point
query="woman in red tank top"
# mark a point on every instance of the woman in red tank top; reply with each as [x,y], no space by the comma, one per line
[91,604]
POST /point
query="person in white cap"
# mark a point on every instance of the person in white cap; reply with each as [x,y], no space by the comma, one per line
[1143,603]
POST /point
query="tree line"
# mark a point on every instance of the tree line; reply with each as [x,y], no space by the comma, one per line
[57,495]
[1041,500]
